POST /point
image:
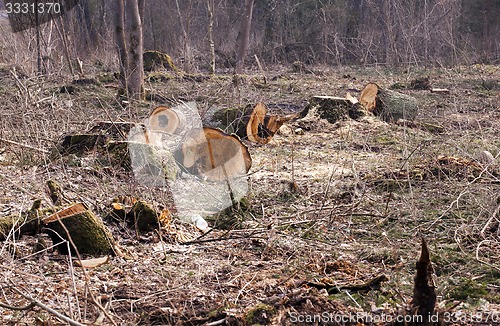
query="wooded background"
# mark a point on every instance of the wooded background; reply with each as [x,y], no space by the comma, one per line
[444,32]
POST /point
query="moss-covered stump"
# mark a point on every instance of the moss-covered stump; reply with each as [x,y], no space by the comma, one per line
[152,164]
[55,192]
[231,218]
[260,314]
[87,231]
[143,217]
[155,59]
[97,138]
[26,223]
[15,223]
[334,109]
[79,143]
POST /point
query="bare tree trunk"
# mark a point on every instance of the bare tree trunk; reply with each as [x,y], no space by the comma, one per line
[210,8]
[245,36]
[136,50]
[121,44]
[187,52]
[142,8]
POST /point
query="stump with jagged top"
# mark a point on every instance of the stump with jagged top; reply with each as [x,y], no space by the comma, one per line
[83,230]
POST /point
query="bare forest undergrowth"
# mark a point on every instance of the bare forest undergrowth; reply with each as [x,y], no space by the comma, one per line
[338,204]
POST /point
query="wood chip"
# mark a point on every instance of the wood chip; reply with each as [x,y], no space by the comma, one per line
[93,262]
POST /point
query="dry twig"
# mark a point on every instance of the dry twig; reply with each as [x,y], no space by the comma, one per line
[34,302]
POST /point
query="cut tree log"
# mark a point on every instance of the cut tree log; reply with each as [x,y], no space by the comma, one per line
[387,104]
[252,123]
[97,138]
[82,229]
[164,119]
[213,154]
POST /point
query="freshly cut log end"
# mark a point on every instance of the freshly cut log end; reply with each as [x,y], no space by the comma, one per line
[261,127]
[164,119]
[213,154]
[368,97]
[87,231]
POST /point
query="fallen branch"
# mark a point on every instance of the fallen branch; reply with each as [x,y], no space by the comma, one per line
[223,237]
[332,288]
[24,145]
[28,307]
[482,261]
[34,302]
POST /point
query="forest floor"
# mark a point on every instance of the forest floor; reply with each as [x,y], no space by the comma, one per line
[367,191]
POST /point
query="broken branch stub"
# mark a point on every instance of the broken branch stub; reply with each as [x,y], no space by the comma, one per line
[424,293]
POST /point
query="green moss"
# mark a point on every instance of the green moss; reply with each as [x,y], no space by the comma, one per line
[385,140]
[158,76]
[227,118]
[260,314]
[397,85]
[143,217]
[231,217]
[106,77]
[153,59]
[55,192]
[87,231]
[466,289]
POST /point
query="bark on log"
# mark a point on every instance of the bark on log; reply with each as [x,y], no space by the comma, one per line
[387,104]
[87,231]
[97,138]
[256,123]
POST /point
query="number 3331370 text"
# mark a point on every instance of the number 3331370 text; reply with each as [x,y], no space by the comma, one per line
[34,7]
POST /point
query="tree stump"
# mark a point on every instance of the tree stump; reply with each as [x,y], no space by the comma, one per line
[333,109]
[143,217]
[87,231]
[156,59]
[26,223]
